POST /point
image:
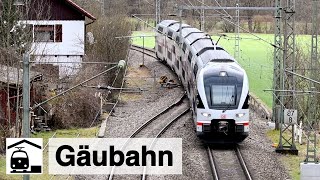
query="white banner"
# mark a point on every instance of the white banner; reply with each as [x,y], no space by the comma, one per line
[100,155]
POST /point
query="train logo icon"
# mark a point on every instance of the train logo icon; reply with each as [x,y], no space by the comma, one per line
[24,156]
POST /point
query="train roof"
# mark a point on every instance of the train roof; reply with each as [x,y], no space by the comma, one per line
[166,23]
[176,26]
[215,55]
[200,42]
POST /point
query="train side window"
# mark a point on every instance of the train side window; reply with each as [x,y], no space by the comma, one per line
[177,39]
[183,74]
[169,55]
[170,33]
[173,49]
[160,49]
[177,64]
[190,57]
[246,103]
[184,47]
[199,102]
[195,70]
[160,29]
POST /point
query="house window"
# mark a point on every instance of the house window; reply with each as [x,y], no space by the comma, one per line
[48,33]
[44,33]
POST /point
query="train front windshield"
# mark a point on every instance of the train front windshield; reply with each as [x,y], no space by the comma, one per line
[222,92]
[219,95]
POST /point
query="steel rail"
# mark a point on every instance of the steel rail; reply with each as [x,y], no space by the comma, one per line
[137,131]
[143,176]
[240,158]
[146,49]
[138,48]
[212,165]
[243,163]
[156,116]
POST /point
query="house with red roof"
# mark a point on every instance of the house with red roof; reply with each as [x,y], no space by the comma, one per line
[59,31]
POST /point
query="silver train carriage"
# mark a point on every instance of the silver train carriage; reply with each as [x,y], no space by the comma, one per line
[216,85]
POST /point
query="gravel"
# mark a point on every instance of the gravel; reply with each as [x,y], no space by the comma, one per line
[135,109]
[261,158]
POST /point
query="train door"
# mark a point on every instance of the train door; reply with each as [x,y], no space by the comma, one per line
[176,61]
[160,43]
[169,44]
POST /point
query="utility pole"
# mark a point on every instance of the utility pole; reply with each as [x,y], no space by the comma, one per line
[202,19]
[143,50]
[103,7]
[26,101]
[286,142]
[237,33]
[312,101]
[277,107]
[158,11]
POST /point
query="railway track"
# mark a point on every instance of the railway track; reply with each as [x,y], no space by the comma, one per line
[228,164]
[146,51]
[159,124]
[225,164]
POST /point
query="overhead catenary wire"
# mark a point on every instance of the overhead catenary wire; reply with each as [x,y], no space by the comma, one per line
[243,29]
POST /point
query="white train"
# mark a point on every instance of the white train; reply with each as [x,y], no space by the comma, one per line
[216,84]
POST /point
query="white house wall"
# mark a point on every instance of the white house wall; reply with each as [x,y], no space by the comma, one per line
[65,68]
[71,49]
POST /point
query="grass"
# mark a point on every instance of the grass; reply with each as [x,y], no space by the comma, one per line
[256,58]
[64,133]
[291,162]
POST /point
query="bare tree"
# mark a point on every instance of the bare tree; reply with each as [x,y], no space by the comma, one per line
[15,39]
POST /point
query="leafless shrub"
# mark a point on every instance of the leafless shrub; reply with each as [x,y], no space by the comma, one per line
[108,48]
[15,39]
[76,109]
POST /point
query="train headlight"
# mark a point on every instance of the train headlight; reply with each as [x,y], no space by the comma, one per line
[223,73]
[239,115]
[206,114]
